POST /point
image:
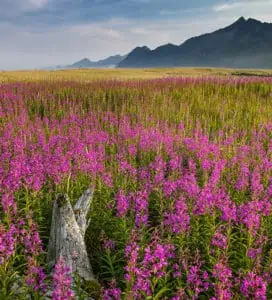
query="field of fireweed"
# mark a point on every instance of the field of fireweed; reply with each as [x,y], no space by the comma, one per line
[182,177]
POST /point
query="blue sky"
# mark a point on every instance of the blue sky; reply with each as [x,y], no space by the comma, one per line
[36,33]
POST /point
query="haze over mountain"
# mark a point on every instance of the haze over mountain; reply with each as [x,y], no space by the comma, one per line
[243,44]
[108,62]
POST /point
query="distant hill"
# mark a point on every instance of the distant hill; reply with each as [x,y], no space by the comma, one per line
[111,61]
[243,44]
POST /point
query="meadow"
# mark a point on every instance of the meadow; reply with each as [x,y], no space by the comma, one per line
[181,168]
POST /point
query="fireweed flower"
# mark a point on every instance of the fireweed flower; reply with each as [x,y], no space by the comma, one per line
[156,258]
[219,240]
[250,214]
[216,173]
[205,203]
[188,183]
[127,168]
[226,206]
[31,240]
[253,253]
[107,179]
[132,150]
[254,287]
[112,293]
[256,185]
[132,252]
[141,208]
[243,179]
[175,162]
[122,203]
[179,220]
[180,295]
[153,264]
[177,271]
[222,275]
[169,187]
[158,166]
[35,276]
[106,243]
[9,204]
[62,282]
[197,281]
[8,241]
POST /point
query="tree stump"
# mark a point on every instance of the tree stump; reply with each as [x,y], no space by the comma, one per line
[67,233]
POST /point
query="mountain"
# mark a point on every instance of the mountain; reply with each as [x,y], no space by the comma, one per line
[243,44]
[108,62]
[83,63]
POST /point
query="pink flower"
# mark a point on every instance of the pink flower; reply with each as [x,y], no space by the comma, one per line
[62,282]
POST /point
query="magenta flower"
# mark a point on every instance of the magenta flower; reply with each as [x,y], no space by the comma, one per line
[197,281]
[179,220]
[8,204]
[253,286]
[62,282]
[141,208]
[222,275]
[35,276]
[112,293]
[8,242]
[219,240]
[122,203]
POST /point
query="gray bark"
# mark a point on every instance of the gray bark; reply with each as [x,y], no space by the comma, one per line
[67,233]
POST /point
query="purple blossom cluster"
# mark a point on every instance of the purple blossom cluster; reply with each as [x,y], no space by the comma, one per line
[223,276]
[179,220]
[253,286]
[145,264]
[8,240]
[112,292]
[62,282]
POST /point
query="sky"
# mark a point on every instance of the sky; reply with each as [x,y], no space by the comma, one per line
[40,33]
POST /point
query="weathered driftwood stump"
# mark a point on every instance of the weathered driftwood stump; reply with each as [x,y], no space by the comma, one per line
[67,233]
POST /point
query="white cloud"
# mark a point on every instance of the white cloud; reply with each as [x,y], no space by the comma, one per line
[95,30]
[227,6]
[259,9]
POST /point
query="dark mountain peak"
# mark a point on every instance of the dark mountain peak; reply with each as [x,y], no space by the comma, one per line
[166,46]
[135,55]
[250,21]
[240,20]
[141,49]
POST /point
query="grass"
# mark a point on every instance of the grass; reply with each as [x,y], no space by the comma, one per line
[94,74]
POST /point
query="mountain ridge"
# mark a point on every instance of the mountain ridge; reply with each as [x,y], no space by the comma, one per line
[110,61]
[242,44]
[85,62]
